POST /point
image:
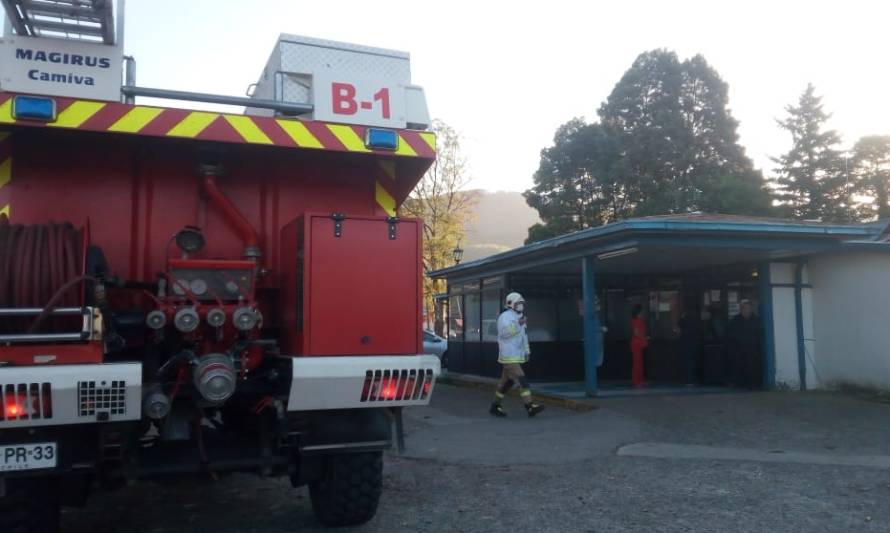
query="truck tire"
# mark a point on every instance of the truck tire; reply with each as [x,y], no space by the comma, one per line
[29,506]
[349,490]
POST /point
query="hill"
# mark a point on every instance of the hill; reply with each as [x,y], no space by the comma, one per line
[501,223]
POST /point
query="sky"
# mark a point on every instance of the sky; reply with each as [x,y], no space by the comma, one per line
[507,74]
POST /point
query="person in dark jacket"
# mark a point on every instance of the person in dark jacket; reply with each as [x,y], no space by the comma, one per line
[743,345]
[690,340]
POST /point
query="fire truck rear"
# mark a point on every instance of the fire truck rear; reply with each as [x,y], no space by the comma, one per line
[192,293]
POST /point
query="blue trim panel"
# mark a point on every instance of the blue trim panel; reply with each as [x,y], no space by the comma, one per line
[798,316]
[771,231]
[593,346]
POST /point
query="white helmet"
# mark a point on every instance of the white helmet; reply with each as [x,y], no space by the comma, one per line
[512,299]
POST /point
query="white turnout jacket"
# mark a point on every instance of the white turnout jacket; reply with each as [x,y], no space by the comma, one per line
[512,339]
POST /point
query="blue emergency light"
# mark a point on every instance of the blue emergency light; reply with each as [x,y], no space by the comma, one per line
[34,108]
[378,139]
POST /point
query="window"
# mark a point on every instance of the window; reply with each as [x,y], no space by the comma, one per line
[473,317]
[456,318]
[571,326]
[664,312]
[541,311]
[491,309]
[618,309]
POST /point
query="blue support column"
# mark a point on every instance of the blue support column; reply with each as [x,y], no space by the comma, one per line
[593,346]
[766,319]
[798,313]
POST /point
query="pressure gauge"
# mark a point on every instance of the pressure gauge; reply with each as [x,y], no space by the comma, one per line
[198,287]
[180,286]
[232,287]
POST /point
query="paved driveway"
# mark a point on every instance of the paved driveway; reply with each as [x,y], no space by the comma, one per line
[727,462]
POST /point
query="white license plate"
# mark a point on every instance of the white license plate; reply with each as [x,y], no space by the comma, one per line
[27,456]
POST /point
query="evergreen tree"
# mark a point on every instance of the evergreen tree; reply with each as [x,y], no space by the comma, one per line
[812,182]
[573,186]
[666,143]
[678,138]
[871,159]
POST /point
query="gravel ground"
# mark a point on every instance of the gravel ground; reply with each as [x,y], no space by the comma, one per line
[465,471]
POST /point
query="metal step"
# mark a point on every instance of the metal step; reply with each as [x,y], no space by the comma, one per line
[76,20]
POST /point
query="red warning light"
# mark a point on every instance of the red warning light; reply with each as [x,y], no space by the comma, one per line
[389,391]
[12,411]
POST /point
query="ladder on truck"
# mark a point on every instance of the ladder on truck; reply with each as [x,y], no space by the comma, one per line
[77,20]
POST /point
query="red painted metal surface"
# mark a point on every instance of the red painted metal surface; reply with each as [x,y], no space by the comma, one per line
[134,192]
[138,192]
[68,354]
[234,217]
[359,293]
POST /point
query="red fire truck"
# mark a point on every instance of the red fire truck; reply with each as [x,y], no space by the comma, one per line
[191,292]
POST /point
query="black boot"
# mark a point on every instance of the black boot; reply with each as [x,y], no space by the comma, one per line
[533,408]
[497,410]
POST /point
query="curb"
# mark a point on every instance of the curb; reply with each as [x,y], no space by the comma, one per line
[460,380]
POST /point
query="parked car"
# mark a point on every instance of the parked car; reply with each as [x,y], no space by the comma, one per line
[435,345]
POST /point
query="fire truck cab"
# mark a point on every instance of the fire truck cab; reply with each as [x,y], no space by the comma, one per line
[191,292]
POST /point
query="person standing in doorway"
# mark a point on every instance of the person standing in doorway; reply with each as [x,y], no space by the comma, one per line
[639,340]
[690,330]
[743,343]
[513,352]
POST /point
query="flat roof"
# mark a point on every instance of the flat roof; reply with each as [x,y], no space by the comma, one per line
[768,237]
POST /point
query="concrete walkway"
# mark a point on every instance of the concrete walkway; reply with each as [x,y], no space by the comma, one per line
[572,393]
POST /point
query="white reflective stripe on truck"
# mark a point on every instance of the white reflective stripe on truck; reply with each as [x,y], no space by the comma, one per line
[362,381]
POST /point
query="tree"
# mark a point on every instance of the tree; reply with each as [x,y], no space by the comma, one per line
[666,143]
[871,163]
[812,183]
[574,186]
[719,177]
[677,137]
[440,199]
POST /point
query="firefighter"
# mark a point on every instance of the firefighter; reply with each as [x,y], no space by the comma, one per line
[513,351]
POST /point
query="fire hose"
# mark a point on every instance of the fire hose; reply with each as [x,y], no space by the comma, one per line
[39,266]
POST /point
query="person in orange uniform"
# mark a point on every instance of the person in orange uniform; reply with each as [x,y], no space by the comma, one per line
[639,340]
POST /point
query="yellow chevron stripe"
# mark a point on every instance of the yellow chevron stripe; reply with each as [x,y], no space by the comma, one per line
[385,200]
[300,134]
[430,139]
[405,148]
[349,138]
[247,128]
[76,114]
[5,210]
[193,124]
[135,119]
[388,166]
[5,172]
[6,112]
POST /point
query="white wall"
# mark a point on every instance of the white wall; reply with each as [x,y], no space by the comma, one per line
[785,328]
[851,303]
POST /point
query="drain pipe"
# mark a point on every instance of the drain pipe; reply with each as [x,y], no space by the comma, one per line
[798,311]
[235,218]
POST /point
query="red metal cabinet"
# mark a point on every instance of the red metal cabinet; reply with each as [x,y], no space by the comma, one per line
[355,290]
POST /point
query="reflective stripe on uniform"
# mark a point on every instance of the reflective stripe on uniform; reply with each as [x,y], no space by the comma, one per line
[525,393]
[508,360]
[498,394]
